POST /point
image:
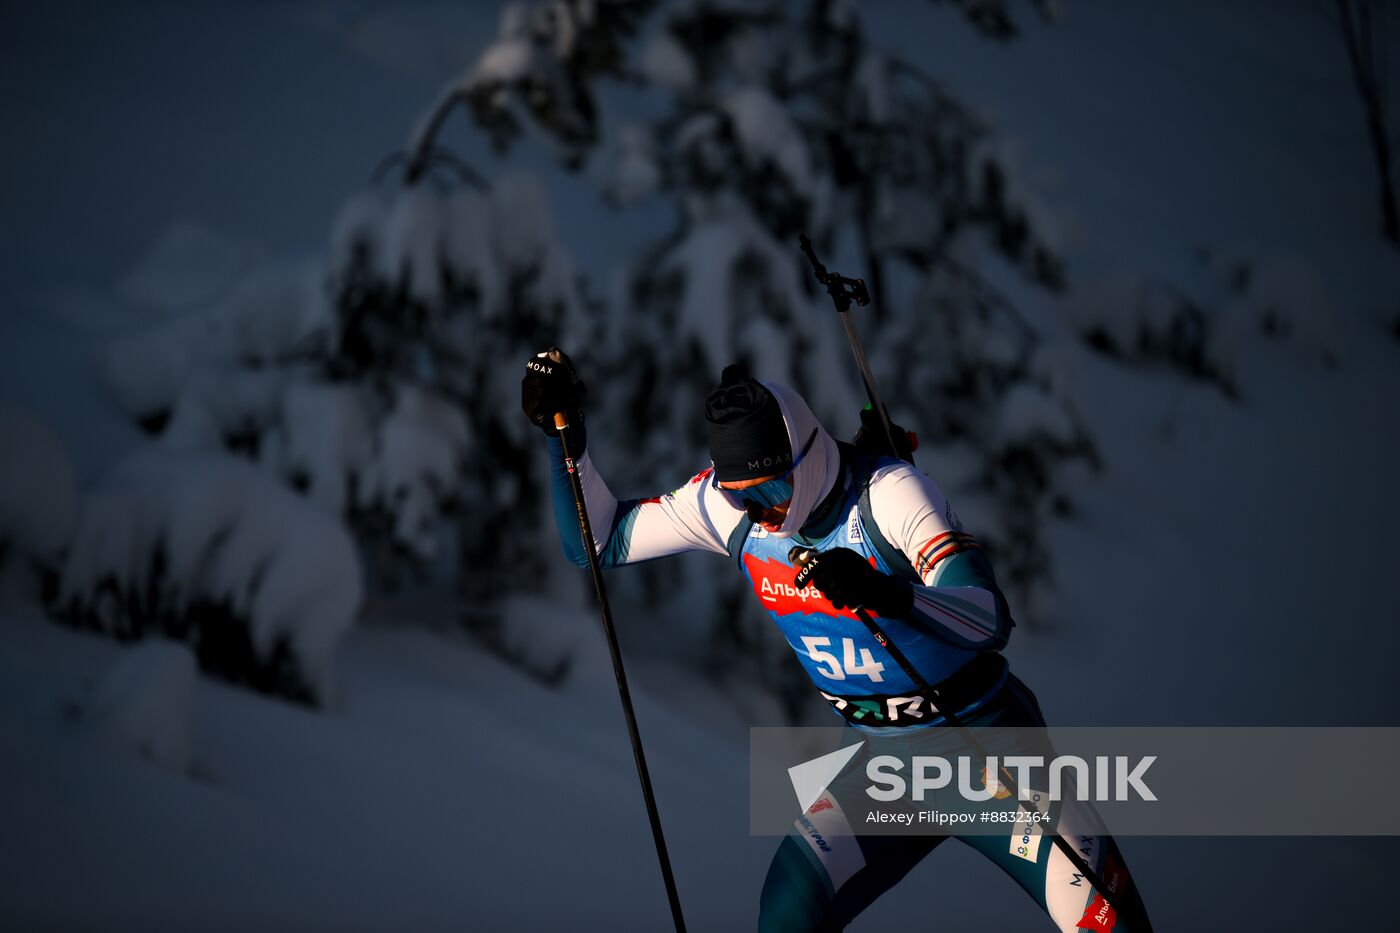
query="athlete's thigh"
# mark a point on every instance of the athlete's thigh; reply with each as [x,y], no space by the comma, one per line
[823,875]
[1041,867]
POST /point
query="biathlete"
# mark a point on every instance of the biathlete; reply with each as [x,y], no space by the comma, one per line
[889,542]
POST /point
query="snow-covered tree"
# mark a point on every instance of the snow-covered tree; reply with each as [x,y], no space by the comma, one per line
[760,121]
[372,381]
[382,382]
[1237,301]
[208,549]
[379,382]
[435,287]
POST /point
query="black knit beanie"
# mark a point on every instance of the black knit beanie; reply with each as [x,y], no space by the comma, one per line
[748,437]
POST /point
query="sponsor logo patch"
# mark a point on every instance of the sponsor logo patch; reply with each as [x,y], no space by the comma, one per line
[831,840]
[775,584]
[1026,836]
[1098,915]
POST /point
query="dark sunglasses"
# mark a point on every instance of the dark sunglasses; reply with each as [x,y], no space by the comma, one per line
[767,494]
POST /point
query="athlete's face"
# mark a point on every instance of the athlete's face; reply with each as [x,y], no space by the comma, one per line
[772,517]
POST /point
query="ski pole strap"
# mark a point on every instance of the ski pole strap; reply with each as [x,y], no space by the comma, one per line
[864,464]
[964,691]
[737,539]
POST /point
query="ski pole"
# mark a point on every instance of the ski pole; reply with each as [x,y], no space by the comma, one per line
[561,422]
[842,291]
[801,556]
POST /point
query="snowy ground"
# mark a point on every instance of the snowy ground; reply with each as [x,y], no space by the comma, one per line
[1229,566]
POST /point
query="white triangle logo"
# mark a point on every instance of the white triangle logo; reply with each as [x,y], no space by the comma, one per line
[810,778]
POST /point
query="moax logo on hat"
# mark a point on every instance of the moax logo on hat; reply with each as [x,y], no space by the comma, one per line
[765,462]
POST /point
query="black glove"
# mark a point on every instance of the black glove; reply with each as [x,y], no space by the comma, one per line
[552,385]
[871,436]
[848,580]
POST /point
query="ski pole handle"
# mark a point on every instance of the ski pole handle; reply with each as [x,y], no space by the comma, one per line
[803,556]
